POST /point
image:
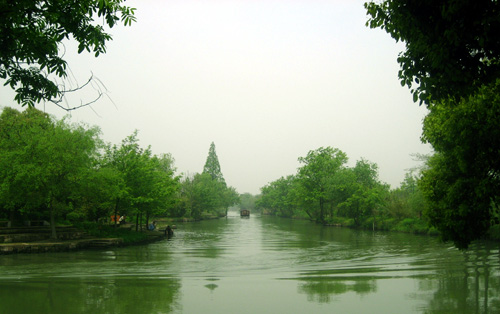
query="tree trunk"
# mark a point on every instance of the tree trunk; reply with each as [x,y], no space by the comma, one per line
[15,218]
[52,220]
[321,210]
[140,218]
[309,214]
[136,222]
[116,211]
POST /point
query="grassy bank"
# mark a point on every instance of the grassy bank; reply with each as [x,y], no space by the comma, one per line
[110,231]
[407,225]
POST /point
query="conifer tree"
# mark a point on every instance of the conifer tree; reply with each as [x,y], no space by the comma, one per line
[212,165]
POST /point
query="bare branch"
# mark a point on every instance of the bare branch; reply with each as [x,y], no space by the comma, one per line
[58,103]
[95,83]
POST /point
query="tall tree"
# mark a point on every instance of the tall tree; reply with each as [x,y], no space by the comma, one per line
[278,198]
[101,189]
[407,201]
[149,181]
[212,165]
[162,186]
[32,34]
[413,194]
[230,197]
[202,194]
[315,175]
[206,192]
[365,192]
[452,58]
[42,162]
[463,179]
[19,136]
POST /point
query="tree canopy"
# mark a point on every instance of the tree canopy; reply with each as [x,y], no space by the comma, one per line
[206,194]
[452,46]
[452,64]
[463,179]
[148,183]
[327,191]
[53,170]
[31,40]
[316,173]
[42,163]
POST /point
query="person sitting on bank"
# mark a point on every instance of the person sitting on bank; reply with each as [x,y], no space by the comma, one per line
[168,231]
[152,226]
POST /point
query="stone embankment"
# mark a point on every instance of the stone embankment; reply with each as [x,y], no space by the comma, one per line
[38,240]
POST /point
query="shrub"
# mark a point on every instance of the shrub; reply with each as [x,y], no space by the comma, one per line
[494,232]
[110,231]
[385,224]
[412,225]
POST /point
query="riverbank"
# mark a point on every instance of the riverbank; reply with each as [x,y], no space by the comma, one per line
[85,235]
[37,239]
[409,225]
[406,225]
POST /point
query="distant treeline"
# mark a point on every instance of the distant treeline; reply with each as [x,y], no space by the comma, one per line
[51,170]
[64,173]
[327,191]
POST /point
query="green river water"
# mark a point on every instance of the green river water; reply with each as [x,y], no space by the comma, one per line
[258,265]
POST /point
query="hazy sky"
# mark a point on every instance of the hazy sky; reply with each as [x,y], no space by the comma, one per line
[265,80]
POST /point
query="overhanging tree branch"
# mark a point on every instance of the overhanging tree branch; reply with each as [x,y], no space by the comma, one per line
[92,81]
[31,33]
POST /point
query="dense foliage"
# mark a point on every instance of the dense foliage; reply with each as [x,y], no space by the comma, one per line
[31,40]
[52,170]
[248,202]
[42,164]
[327,191]
[212,165]
[206,194]
[463,179]
[451,62]
[452,46]
[146,185]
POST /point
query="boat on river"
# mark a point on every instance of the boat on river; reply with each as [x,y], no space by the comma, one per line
[245,213]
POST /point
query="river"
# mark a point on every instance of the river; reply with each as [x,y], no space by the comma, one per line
[258,265]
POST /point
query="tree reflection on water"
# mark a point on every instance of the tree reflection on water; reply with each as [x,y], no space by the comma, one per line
[114,295]
[476,290]
[466,282]
[323,289]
